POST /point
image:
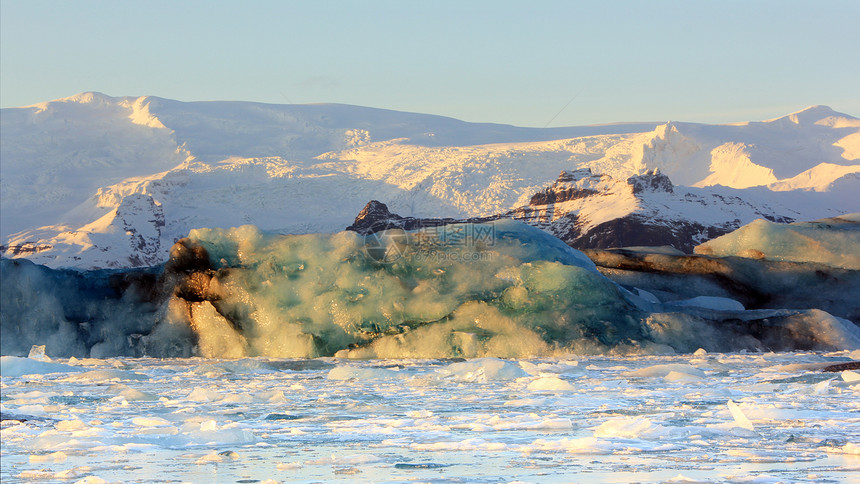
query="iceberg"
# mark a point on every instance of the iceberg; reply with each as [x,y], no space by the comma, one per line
[499,289]
[834,242]
[91,313]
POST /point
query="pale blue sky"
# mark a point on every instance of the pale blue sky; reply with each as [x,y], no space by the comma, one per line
[496,61]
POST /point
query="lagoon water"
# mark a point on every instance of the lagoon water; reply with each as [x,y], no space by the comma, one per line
[705,417]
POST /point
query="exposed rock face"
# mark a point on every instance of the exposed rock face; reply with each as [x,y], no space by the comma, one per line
[851,365]
[596,211]
[635,230]
[653,182]
[24,249]
[564,189]
[142,220]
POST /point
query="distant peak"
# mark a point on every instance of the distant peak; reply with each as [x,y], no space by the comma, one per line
[818,114]
[88,97]
[812,113]
[818,108]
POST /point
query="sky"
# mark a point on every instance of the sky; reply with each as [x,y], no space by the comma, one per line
[536,63]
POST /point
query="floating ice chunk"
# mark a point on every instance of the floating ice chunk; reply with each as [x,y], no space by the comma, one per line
[628,428]
[851,448]
[56,440]
[850,376]
[419,413]
[700,352]
[425,465]
[582,445]
[271,396]
[106,375]
[681,377]
[209,432]
[688,480]
[91,480]
[646,295]
[52,457]
[150,422]
[214,457]
[550,384]
[664,370]
[96,362]
[350,459]
[360,373]
[463,445]
[70,425]
[740,419]
[753,479]
[484,369]
[18,366]
[710,302]
[200,394]
[131,394]
[37,352]
[287,466]
[567,367]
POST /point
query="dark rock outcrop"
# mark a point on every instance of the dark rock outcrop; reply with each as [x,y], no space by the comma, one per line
[851,365]
[633,230]
[651,182]
[375,217]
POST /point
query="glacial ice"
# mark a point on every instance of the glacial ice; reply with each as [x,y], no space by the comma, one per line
[550,384]
[739,416]
[834,241]
[18,366]
[71,313]
[710,302]
[483,369]
[499,289]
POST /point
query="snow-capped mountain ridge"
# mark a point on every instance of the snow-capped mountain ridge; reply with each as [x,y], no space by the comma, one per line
[70,163]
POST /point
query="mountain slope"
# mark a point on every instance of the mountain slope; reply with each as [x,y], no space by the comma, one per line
[97,181]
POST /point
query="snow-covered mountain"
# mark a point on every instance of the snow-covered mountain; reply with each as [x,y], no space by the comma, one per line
[97,181]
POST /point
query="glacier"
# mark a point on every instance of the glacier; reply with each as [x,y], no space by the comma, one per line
[495,289]
[94,181]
